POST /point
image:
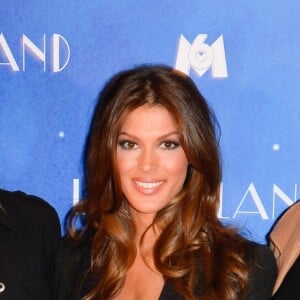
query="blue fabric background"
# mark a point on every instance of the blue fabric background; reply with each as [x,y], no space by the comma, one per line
[44,115]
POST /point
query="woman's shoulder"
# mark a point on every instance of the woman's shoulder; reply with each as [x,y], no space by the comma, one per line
[263,272]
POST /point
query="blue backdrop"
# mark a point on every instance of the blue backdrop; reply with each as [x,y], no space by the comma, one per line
[55,56]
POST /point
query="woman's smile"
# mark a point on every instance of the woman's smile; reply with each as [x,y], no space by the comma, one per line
[148,187]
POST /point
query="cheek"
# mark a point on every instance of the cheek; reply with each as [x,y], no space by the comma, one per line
[125,162]
[177,166]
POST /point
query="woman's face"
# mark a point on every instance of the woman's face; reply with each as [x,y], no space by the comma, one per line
[151,162]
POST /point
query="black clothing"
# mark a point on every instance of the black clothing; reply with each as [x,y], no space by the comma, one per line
[73,259]
[290,286]
[29,235]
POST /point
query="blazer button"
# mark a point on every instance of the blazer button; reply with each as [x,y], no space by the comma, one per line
[2,287]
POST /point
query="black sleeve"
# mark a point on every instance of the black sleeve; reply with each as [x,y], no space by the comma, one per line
[51,237]
[46,233]
[263,274]
[41,221]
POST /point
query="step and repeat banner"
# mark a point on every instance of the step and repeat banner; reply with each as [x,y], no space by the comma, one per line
[55,57]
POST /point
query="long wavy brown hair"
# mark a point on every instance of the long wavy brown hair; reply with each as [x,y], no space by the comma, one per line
[195,252]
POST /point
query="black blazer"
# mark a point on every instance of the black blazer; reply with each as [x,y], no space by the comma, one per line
[290,286]
[72,262]
[29,235]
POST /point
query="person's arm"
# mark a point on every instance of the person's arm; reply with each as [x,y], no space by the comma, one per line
[51,237]
[44,223]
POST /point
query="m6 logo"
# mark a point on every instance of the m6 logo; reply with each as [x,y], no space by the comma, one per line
[201,56]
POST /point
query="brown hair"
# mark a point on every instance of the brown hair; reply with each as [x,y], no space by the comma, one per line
[195,251]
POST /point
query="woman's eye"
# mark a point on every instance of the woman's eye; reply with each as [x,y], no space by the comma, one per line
[168,145]
[127,145]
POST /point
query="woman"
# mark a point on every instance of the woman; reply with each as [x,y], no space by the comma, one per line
[152,192]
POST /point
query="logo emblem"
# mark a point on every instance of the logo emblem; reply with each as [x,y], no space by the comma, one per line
[201,56]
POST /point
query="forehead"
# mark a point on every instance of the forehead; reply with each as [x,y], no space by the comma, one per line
[155,118]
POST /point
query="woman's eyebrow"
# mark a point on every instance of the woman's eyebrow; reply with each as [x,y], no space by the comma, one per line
[166,135]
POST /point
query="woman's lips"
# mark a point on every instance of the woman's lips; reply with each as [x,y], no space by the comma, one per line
[148,187]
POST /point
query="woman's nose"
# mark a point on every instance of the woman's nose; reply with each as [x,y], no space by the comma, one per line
[148,161]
